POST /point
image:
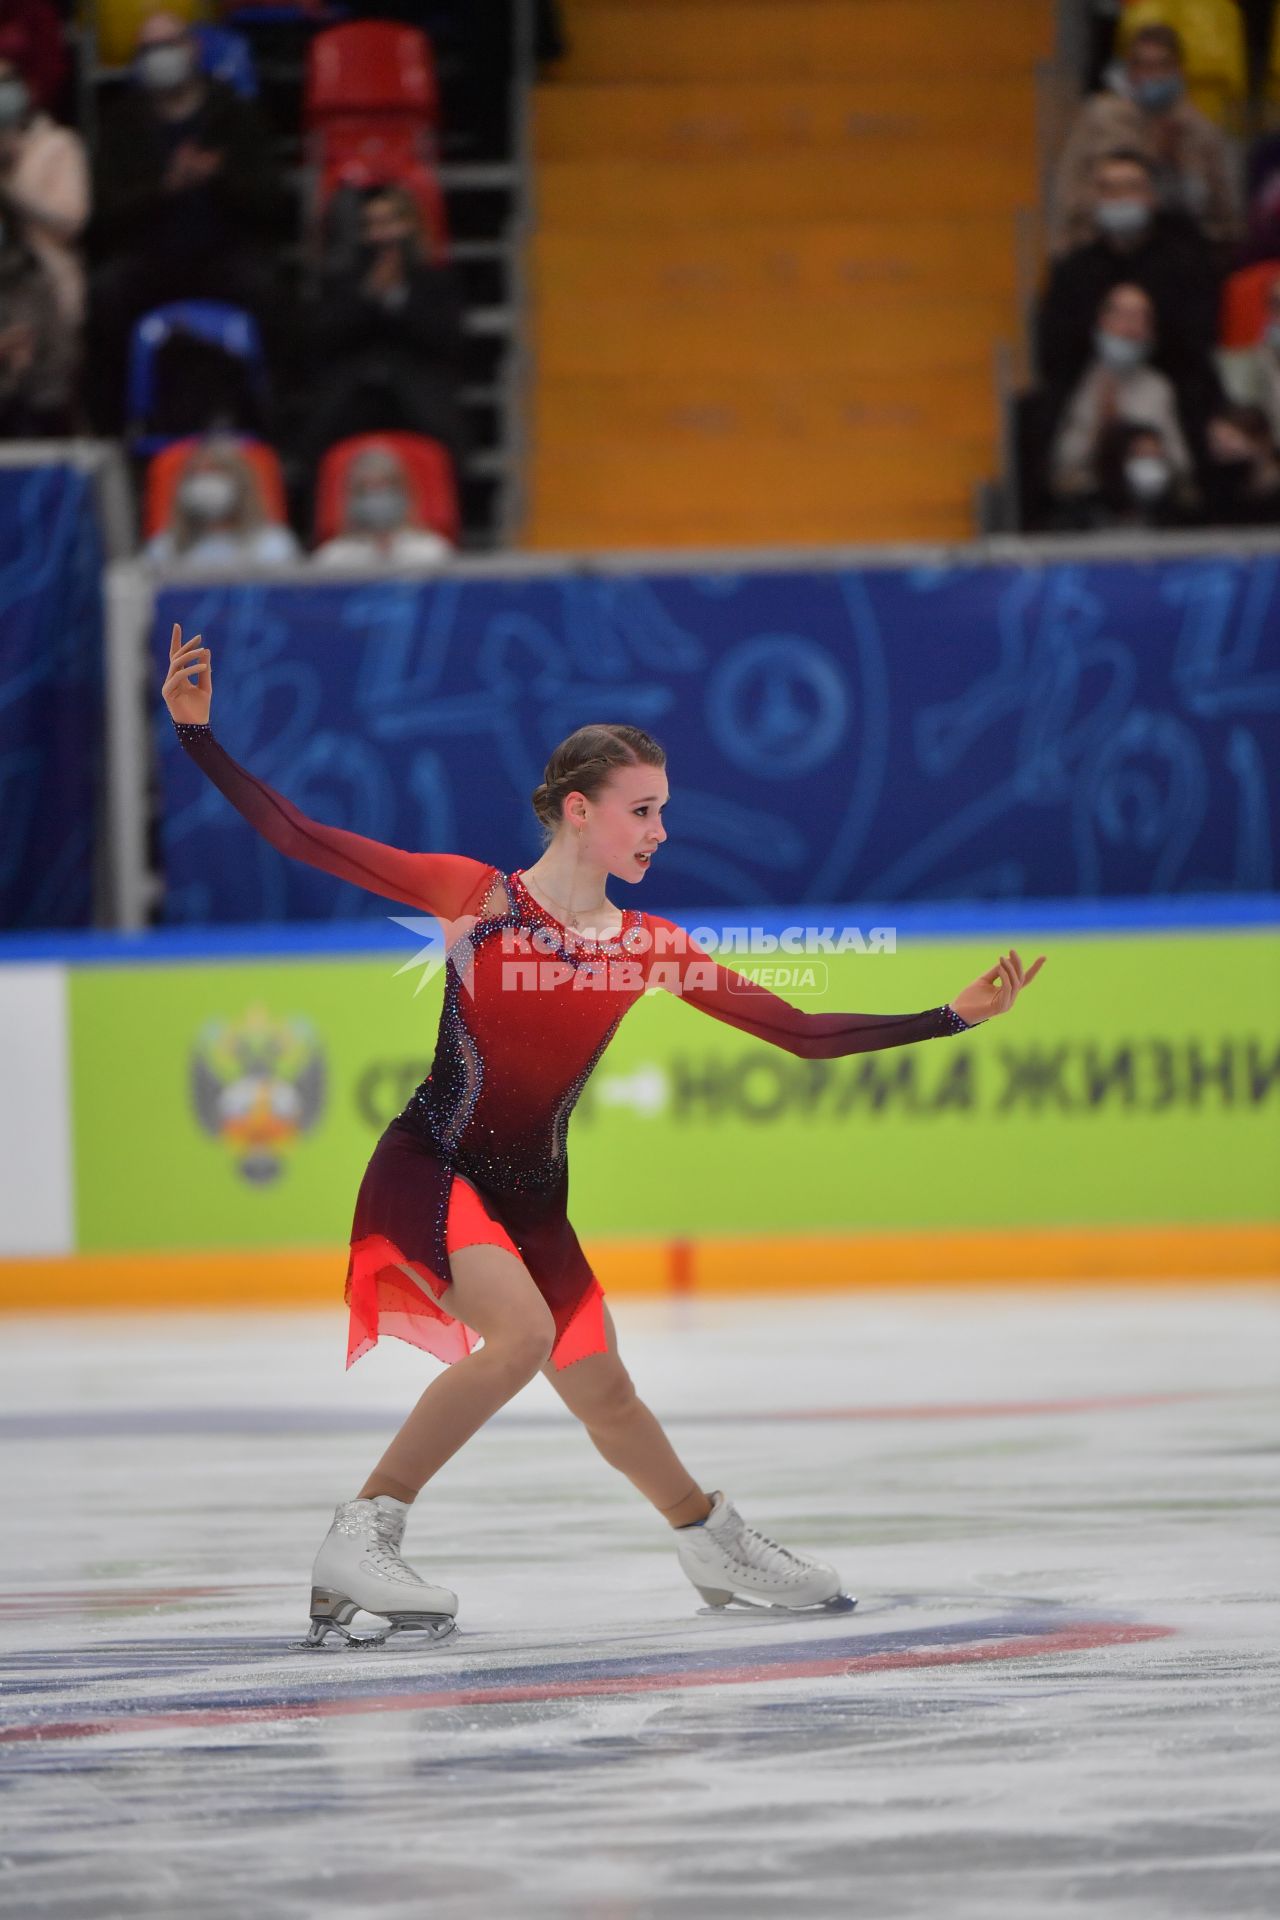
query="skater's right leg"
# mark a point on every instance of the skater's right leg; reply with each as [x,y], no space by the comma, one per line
[494,1293]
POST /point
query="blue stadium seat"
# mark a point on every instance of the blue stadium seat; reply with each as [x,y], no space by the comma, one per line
[230,329]
[227,56]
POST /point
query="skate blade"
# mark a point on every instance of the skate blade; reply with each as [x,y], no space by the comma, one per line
[332,1613]
[839,1603]
[330,1636]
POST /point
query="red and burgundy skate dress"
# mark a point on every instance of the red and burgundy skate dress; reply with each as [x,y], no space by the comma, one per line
[529,1007]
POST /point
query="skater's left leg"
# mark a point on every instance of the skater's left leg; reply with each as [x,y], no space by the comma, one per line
[601,1393]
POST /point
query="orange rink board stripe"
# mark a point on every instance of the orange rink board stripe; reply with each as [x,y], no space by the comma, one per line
[275,1278]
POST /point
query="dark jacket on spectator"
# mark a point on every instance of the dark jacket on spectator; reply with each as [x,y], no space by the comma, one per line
[240,203]
[425,323]
[1174,264]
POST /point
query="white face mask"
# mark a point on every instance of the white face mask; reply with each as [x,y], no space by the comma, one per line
[1122,216]
[14,102]
[164,69]
[1118,352]
[1148,475]
[208,495]
[379,509]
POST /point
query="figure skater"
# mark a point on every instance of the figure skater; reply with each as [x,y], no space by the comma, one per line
[461,1225]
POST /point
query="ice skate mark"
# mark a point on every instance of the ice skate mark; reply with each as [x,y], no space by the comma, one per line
[41,1600]
[966,1644]
[128,1423]
[496,1692]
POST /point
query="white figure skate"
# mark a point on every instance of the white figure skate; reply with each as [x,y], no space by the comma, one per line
[731,1564]
[359,1568]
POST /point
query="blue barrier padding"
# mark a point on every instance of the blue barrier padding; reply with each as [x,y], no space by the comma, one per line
[919,734]
[51,713]
[1005,921]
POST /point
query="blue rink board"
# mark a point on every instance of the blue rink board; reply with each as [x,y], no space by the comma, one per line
[1002,920]
[911,733]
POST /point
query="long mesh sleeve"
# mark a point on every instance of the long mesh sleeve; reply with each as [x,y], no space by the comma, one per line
[445,884]
[689,971]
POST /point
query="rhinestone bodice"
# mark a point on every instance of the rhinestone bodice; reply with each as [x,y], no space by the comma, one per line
[529,1007]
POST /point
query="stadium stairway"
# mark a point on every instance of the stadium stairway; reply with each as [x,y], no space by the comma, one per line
[774,250]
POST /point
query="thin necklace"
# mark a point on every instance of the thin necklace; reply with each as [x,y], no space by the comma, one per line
[574,918]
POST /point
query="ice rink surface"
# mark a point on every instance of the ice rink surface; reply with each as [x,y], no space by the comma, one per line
[1058,1693]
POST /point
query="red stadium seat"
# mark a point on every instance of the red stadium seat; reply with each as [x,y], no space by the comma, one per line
[371,67]
[1243,314]
[427,464]
[165,471]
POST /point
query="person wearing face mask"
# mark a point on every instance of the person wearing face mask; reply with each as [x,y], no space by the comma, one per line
[1251,375]
[1194,171]
[218,518]
[386,336]
[1118,385]
[1137,485]
[1243,471]
[188,202]
[33,37]
[1136,245]
[37,355]
[44,184]
[380,526]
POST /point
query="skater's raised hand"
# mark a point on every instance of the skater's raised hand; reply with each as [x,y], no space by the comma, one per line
[995,991]
[188,703]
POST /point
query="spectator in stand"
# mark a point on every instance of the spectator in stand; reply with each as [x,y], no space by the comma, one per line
[1262,202]
[1251,375]
[1192,167]
[37,353]
[1242,480]
[379,525]
[31,36]
[1118,385]
[1137,486]
[218,516]
[1137,245]
[44,187]
[187,201]
[386,335]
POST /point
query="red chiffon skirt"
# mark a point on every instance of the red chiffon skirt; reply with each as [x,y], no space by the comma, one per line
[385,1298]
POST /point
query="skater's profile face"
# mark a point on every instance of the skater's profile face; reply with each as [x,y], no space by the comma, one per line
[622,827]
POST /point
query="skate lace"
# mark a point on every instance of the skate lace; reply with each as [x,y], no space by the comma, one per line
[383,1548]
[756,1549]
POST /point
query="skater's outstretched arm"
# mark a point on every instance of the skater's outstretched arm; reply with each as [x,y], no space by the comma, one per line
[446,884]
[689,971]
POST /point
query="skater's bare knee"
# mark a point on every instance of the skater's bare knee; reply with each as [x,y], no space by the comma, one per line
[598,1390]
[494,1293]
[522,1350]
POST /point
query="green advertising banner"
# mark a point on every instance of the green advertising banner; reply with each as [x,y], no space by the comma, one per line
[1137,1081]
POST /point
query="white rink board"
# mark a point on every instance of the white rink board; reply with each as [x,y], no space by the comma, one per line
[1058,1694]
[36,1207]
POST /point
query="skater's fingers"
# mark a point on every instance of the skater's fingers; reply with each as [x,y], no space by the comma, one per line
[175,639]
[191,657]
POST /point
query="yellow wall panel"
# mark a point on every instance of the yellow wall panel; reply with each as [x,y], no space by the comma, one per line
[636,195]
[711,119]
[804,40]
[774,252]
[810,262]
